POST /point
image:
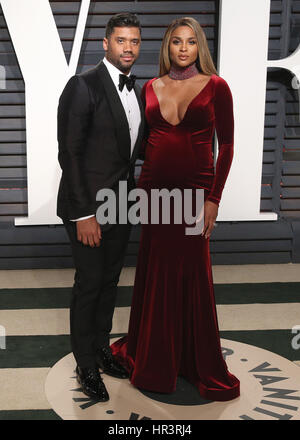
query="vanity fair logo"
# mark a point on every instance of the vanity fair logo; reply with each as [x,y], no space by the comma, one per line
[269,391]
[38,48]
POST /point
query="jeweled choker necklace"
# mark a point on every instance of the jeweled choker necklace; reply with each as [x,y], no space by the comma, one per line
[183,72]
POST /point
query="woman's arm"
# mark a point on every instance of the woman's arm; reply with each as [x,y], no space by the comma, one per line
[224,121]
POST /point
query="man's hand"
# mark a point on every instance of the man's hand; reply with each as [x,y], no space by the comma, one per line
[89,232]
[210,215]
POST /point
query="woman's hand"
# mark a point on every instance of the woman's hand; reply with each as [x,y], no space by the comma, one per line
[210,215]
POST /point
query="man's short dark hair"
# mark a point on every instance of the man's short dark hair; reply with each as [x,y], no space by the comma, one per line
[124,19]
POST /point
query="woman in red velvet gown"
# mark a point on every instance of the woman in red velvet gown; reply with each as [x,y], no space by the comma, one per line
[173,328]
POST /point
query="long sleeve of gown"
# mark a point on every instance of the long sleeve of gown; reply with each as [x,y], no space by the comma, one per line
[224,123]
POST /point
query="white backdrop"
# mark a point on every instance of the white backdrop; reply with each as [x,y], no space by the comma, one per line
[242,63]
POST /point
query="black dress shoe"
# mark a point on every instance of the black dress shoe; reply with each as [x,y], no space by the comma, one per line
[92,383]
[109,364]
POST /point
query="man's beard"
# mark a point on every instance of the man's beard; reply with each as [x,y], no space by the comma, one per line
[124,68]
[118,63]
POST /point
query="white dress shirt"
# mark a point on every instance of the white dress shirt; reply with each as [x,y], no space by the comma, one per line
[129,101]
[131,108]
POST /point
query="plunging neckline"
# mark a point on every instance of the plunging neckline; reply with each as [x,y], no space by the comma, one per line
[190,103]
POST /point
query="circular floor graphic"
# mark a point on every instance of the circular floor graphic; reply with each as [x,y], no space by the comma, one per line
[269,391]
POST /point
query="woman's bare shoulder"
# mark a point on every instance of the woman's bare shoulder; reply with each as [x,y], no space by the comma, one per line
[160,81]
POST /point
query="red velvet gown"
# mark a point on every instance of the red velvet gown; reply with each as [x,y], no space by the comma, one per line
[173,327]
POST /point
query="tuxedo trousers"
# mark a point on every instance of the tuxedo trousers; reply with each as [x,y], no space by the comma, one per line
[97,272]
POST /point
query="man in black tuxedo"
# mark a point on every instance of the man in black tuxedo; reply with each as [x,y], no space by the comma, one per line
[100,129]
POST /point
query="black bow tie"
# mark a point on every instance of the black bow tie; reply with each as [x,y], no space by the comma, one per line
[128,80]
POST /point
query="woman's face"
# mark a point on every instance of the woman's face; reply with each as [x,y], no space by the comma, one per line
[183,47]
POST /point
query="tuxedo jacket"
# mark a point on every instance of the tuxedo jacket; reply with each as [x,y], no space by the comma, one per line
[94,142]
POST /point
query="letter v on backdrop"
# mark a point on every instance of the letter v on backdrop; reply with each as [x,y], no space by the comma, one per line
[242,62]
[45,71]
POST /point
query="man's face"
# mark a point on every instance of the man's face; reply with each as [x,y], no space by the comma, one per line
[122,47]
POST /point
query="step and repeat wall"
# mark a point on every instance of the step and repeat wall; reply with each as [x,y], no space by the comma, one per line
[256,50]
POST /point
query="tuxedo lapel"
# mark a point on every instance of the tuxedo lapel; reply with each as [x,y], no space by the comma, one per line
[117,110]
[141,127]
